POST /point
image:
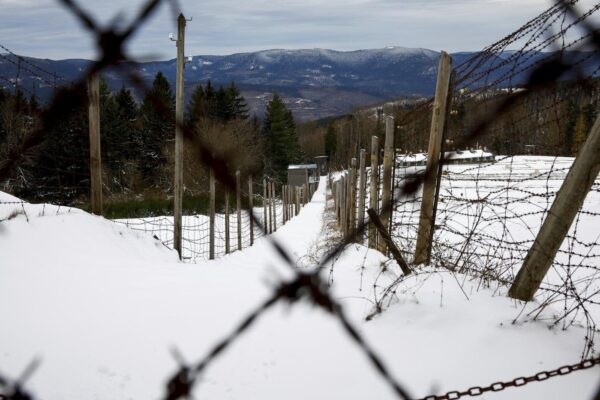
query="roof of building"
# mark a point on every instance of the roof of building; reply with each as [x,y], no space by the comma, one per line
[302,166]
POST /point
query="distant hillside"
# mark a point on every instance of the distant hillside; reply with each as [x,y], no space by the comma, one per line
[316,83]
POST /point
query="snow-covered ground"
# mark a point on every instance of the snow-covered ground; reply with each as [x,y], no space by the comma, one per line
[103,305]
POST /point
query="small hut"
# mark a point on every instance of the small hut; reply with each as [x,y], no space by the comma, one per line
[303,174]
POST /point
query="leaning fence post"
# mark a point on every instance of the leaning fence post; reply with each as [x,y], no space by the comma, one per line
[386,196]
[227,233]
[373,200]
[251,206]
[436,134]
[211,219]
[238,194]
[374,219]
[362,189]
[568,201]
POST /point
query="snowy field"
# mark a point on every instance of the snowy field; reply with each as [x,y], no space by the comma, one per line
[488,218]
[103,305]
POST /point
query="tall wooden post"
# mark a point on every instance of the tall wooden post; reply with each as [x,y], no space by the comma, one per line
[251,209]
[386,197]
[438,121]
[179,106]
[95,152]
[265,201]
[297,200]
[211,218]
[568,201]
[373,200]
[362,188]
[227,224]
[238,194]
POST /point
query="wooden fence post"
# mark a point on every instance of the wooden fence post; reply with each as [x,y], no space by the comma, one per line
[352,203]
[251,206]
[343,209]
[563,211]
[274,208]
[270,206]
[238,194]
[211,220]
[265,219]
[362,189]
[297,200]
[436,135]
[95,151]
[227,233]
[373,200]
[386,197]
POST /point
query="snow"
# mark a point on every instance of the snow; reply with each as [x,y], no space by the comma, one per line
[102,306]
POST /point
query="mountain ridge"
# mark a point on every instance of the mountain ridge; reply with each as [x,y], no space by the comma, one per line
[314,82]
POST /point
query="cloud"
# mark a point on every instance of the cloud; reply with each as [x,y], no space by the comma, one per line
[44,28]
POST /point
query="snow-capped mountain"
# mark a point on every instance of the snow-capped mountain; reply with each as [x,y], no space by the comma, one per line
[315,82]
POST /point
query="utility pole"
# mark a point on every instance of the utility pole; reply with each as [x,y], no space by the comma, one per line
[179,104]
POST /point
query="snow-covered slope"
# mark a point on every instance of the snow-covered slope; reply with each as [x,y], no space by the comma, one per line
[102,306]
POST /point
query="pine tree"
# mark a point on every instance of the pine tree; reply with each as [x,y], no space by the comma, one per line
[196,107]
[281,141]
[238,108]
[158,128]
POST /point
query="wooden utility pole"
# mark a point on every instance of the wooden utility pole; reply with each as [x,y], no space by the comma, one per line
[211,218]
[386,197]
[179,105]
[238,195]
[362,188]
[568,201]
[95,152]
[436,135]
[373,200]
[251,212]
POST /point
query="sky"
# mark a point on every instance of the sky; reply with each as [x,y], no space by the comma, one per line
[43,28]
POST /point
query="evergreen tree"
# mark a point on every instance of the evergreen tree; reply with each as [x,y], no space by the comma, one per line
[157,128]
[330,142]
[281,141]
[127,125]
[238,109]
